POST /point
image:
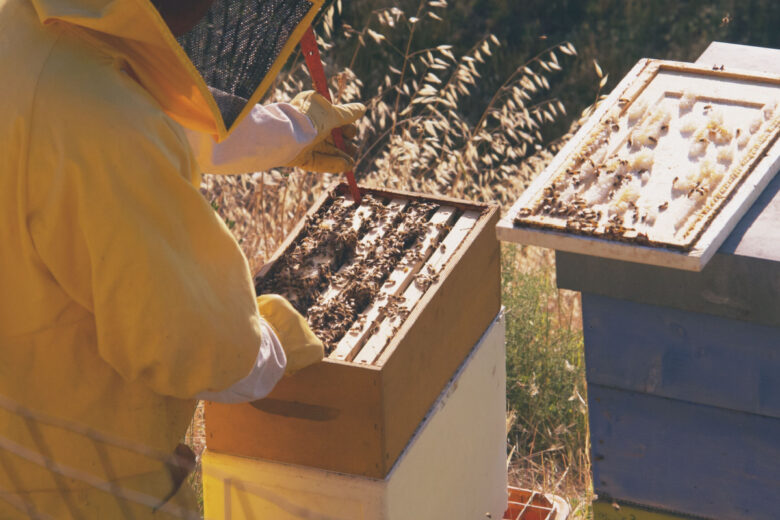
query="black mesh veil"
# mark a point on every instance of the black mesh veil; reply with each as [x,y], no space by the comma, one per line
[235,46]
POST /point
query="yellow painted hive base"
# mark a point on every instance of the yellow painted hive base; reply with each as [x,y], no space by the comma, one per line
[454,467]
[609,510]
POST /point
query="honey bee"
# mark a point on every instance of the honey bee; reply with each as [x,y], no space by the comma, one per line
[663,206]
[622,101]
[674,181]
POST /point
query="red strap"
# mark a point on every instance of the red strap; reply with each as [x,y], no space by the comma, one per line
[311,54]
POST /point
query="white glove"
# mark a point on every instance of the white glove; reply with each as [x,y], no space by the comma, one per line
[269,136]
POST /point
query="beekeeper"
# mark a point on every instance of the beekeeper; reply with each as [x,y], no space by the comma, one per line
[123,296]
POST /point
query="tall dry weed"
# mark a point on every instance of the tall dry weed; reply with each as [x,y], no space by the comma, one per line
[420,134]
[416,135]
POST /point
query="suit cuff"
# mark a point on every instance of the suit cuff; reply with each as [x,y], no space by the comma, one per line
[267,371]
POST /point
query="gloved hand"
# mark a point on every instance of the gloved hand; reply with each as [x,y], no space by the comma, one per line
[322,155]
[301,347]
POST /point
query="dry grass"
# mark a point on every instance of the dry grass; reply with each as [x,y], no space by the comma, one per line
[546,391]
[416,136]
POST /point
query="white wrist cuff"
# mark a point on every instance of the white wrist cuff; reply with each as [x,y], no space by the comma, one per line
[266,372]
[268,137]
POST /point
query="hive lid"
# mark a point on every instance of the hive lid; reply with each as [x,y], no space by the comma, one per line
[662,171]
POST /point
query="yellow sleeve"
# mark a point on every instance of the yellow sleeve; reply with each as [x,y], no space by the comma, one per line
[116,218]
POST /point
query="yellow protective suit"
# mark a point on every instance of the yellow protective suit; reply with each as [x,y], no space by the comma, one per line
[122,293]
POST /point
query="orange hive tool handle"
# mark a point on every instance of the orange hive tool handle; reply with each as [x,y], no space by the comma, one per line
[311,54]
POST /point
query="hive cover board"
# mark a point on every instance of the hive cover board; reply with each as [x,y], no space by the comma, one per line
[662,171]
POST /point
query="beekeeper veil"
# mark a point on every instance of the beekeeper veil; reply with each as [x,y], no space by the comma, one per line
[241,45]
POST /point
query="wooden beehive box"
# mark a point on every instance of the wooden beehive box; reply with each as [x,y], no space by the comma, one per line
[662,171]
[427,299]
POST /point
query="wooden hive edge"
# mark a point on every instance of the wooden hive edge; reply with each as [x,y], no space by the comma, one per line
[435,339]
[343,189]
[291,236]
[353,425]
[326,416]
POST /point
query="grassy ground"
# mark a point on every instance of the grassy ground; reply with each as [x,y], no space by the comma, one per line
[547,430]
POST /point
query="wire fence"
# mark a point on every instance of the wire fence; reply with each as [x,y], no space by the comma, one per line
[41,457]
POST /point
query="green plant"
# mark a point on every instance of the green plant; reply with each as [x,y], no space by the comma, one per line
[546,393]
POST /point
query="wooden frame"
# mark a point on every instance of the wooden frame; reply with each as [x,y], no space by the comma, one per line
[357,418]
[706,237]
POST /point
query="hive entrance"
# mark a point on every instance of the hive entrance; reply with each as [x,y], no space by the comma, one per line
[357,272]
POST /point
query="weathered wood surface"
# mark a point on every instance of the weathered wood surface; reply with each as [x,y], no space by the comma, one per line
[325,416]
[611,510]
[685,457]
[736,287]
[746,57]
[683,355]
[757,235]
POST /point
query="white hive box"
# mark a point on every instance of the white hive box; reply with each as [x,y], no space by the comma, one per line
[454,467]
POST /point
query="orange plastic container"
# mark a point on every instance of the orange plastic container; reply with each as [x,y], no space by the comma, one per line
[525,504]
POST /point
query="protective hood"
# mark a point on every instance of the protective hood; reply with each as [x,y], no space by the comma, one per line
[209,78]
